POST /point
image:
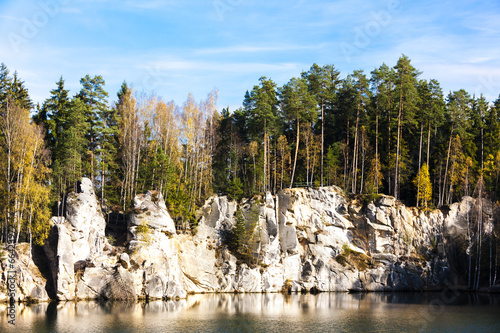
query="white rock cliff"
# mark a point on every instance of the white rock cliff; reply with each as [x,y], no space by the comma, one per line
[302,240]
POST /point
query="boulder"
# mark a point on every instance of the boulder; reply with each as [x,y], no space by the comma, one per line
[149,209]
[106,283]
[29,281]
[124,260]
[386,200]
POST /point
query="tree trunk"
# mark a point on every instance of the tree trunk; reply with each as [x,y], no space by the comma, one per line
[296,149]
[355,156]
[491,257]
[479,231]
[313,166]
[346,161]
[363,156]
[265,155]
[275,167]
[469,245]
[496,261]
[102,175]
[448,200]
[254,175]
[376,146]
[307,156]
[322,138]
[396,171]
[419,161]
[441,199]
[482,147]
[389,139]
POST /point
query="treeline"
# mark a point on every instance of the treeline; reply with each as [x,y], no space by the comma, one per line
[387,132]
[127,147]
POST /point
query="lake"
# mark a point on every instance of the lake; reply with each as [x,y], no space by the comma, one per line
[450,311]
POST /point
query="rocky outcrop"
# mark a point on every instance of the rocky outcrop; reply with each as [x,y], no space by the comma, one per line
[298,240]
[30,282]
[75,239]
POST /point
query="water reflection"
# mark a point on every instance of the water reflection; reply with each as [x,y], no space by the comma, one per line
[265,312]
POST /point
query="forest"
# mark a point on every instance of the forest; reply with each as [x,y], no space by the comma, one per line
[383,132]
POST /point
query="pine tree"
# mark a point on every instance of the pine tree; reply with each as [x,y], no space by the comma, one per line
[19,94]
[322,82]
[108,154]
[56,109]
[5,82]
[360,84]
[406,82]
[74,143]
[94,97]
[299,106]
[262,107]
[458,108]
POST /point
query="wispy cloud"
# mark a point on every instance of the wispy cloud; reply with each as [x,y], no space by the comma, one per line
[176,47]
[221,66]
[11,18]
[149,4]
[254,49]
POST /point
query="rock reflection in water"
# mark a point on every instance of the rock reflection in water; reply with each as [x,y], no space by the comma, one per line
[260,312]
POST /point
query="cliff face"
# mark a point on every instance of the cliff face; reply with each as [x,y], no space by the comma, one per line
[301,239]
[318,240]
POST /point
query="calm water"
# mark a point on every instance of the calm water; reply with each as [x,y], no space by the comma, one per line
[327,312]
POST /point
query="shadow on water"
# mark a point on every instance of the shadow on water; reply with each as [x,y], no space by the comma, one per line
[51,316]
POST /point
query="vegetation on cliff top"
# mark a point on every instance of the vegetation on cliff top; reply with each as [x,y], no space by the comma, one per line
[387,131]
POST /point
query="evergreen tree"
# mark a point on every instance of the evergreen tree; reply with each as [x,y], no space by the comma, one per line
[457,117]
[5,82]
[299,107]
[323,83]
[429,113]
[386,105]
[262,107]
[360,85]
[406,90]
[94,97]
[55,116]
[55,113]
[18,92]
[74,142]
[108,154]
[222,161]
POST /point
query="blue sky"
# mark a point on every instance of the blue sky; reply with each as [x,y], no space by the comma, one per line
[179,47]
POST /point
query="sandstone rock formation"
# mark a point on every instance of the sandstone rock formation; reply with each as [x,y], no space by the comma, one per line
[302,240]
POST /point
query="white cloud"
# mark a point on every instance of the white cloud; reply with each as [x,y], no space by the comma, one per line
[149,4]
[254,49]
[11,18]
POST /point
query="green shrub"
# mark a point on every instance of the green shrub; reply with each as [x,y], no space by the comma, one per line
[111,239]
[144,232]
[242,239]
[346,249]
